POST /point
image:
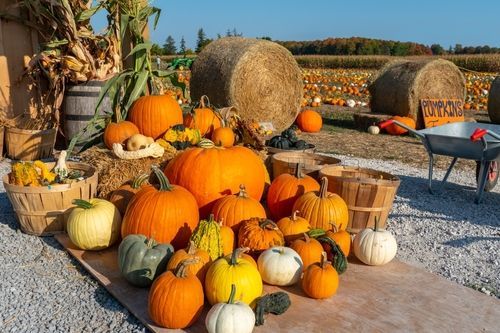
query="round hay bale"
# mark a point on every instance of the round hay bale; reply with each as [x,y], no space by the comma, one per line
[261,79]
[401,84]
[494,101]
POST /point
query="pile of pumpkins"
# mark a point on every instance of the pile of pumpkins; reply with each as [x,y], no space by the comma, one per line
[227,255]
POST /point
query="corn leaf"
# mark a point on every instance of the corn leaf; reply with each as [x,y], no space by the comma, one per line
[87,14]
[139,47]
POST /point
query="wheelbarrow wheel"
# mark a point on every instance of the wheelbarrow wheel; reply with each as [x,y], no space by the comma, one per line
[491,178]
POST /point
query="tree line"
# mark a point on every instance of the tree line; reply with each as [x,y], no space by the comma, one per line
[332,46]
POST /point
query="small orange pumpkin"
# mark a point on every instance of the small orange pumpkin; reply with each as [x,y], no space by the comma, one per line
[165,306]
[309,121]
[320,280]
[122,195]
[259,234]
[293,227]
[223,137]
[309,250]
[198,268]
[341,237]
[321,208]
[227,236]
[233,209]
[203,118]
[398,130]
[119,132]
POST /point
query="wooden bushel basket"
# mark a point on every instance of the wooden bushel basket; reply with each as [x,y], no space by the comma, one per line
[368,194]
[29,145]
[43,210]
[286,162]
[2,131]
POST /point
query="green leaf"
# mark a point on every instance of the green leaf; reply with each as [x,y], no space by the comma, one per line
[139,47]
[175,81]
[56,43]
[87,14]
[162,73]
[124,18]
[139,85]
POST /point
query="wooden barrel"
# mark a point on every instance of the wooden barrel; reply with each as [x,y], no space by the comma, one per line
[2,131]
[310,163]
[43,210]
[79,106]
[368,194]
[29,145]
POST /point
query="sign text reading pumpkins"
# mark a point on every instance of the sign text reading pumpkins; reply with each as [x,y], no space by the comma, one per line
[442,111]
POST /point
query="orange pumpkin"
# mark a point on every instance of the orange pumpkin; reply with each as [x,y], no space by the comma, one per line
[259,235]
[198,268]
[309,121]
[122,195]
[227,236]
[210,173]
[293,227]
[320,280]
[203,118]
[286,189]
[321,208]
[223,137]
[233,209]
[119,132]
[241,253]
[155,114]
[309,250]
[176,299]
[341,237]
[168,214]
[398,130]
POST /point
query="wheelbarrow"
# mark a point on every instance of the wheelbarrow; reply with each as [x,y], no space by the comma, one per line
[462,140]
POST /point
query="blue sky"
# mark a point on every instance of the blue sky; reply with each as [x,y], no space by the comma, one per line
[444,22]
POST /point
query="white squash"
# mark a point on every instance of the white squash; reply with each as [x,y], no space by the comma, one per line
[374,129]
[93,224]
[138,141]
[230,317]
[375,246]
[280,266]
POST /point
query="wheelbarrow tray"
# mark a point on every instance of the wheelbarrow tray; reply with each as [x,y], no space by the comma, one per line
[454,140]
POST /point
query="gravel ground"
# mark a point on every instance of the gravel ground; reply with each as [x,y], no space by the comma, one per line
[42,289]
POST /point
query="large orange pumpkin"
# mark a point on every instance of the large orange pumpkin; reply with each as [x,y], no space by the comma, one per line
[168,214]
[286,189]
[155,114]
[121,196]
[321,208]
[119,132]
[203,119]
[176,299]
[398,130]
[233,209]
[210,173]
[309,121]
[198,268]
[259,235]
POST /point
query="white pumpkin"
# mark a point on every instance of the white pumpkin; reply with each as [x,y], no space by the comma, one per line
[374,129]
[93,224]
[230,317]
[375,246]
[280,266]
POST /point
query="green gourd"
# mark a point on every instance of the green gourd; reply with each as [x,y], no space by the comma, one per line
[207,237]
[141,260]
[334,254]
[276,303]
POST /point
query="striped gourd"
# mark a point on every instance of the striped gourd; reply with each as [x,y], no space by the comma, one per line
[207,236]
[206,143]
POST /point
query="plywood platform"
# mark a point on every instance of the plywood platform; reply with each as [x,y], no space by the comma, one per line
[391,298]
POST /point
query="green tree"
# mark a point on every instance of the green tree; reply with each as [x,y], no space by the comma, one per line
[202,40]
[156,49]
[169,47]
[437,49]
[182,47]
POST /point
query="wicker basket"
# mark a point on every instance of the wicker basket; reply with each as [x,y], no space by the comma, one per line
[310,163]
[43,210]
[29,145]
[368,194]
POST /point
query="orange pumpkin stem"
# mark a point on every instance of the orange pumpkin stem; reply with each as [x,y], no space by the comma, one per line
[294,216]
[139,180]
[192,248]
[266,223]
[231,296]
[324,260]
[237,254]
[202,101]
[376,224]
[306,237]
[323,190]
[150,242]
[164,183]
[335,228]
[243,192]
[181,269]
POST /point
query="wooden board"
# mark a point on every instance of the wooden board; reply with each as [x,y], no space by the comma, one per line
[393,298]
[441,111]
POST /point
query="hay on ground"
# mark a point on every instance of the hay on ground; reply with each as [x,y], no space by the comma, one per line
[261,79]
[114,172]
[494,101]
[401,84]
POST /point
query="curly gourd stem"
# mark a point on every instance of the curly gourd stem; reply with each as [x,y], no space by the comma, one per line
[164,183]
[82,203]
[265,223]
[231,296]
[243,191]
[181,269]
[139,180]
[323,190]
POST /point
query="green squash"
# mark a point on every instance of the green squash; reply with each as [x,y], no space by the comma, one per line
[290,134]
[300,144]
[207,237]
[280,142]
[141,260]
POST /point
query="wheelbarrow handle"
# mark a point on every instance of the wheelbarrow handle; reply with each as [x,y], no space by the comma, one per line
[478,134]
[385,123]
